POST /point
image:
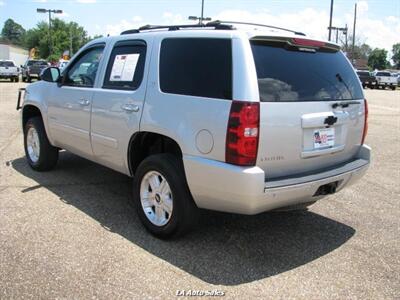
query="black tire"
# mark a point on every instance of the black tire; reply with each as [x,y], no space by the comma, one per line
[23,79]
[48,155]
[16,79]
[29,79]
[185,213]
[393,88]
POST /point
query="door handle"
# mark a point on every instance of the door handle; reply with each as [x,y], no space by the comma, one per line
[130,107]
[84,102]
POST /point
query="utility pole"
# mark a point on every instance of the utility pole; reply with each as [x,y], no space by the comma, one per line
[202,12]
[354,32]
[56,11]
[201,18]
[330,21]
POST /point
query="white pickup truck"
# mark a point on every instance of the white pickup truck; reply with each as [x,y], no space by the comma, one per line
[385,79]
[8,70]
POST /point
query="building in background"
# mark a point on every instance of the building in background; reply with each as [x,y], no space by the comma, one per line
[17,54]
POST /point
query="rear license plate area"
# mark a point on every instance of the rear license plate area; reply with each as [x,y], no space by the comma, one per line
[324,138]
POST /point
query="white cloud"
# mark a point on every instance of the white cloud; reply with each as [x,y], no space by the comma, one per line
[375,32]
[2,3]
[138,21]
[86,1]
[309,20]
[392,19]
[115,29]
[378,33]
[170,18]
[362,7]
[40,1]
[62,15]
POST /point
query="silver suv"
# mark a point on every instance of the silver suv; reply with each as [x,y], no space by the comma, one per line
[208,116]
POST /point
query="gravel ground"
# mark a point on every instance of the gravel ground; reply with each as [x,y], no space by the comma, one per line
[71,233]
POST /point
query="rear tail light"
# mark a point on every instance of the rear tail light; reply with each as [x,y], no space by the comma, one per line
[307,42]
[365,121]
[242,133]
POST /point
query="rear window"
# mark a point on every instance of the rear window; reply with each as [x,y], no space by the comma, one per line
[383,74]
[196,67]
[293,75]
[6,64]
[363,73]
[37,63]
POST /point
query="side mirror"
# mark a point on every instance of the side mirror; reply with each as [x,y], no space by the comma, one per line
[51,74]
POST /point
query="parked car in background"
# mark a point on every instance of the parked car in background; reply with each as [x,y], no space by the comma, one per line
[385,79]
[8,70]
[397,76]
[62,63]
[367,79]
[32,69]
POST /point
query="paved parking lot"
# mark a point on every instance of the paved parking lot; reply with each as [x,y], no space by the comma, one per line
[70,233]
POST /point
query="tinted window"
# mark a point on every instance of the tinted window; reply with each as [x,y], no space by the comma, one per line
[361,73]
[383,74]
[6,64]
[83,70]
[125,67]
[292,75]
[37,63]
[197,67]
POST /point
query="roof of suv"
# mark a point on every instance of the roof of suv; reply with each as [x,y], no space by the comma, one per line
[239,31]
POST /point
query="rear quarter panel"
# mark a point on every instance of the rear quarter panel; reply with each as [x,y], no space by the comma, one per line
[195,123]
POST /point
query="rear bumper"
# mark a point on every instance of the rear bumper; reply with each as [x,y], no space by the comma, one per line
[224,187]
[9,75]
[35,75]
[387,83]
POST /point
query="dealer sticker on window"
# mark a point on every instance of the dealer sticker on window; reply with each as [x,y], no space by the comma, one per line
[324,138]
[124,67]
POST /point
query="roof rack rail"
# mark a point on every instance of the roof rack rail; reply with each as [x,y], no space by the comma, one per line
[130,31]
[255,24]
[177,27]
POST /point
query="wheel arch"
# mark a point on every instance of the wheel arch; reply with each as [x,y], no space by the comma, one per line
[30,111]
[145,143]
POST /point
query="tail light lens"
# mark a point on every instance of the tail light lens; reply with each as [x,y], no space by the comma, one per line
[365,121]
[242,133]
[307,43]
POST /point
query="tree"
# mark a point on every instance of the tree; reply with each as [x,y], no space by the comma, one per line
[13,32]
[396,55]
[65,36]
[361,49]
[377,59]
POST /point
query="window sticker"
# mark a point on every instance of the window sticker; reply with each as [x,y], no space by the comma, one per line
[124,67]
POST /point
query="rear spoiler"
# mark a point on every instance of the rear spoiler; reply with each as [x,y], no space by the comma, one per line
[297,42]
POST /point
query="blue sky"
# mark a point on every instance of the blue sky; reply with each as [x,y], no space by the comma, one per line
[378,21]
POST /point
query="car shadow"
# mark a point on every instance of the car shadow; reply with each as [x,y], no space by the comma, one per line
[225,249]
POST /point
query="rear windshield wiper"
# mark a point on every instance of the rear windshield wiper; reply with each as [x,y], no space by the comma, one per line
[344,104]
